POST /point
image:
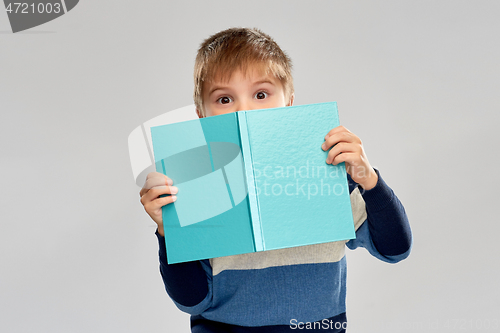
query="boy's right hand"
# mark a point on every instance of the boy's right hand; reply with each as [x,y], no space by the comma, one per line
[157,184]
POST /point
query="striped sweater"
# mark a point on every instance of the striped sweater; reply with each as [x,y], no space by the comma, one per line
[287,289]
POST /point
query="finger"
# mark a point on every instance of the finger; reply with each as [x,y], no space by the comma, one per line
[339,137]
[145,190]
[340,148]
[154,174]
[155,179]
[157,204]
[337,129]
[156,192]
[349,158]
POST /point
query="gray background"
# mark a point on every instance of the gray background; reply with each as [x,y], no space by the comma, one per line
[418,81]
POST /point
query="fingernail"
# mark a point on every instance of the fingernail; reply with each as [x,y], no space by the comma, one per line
[326,136]
[173,189]
[323,146]
[327,161]
[174,198]
[169,181]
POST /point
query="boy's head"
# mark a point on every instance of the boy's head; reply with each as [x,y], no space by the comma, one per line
[241,69]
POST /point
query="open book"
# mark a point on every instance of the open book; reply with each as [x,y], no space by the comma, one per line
[252,181]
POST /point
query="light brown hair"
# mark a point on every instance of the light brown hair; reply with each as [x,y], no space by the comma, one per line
[239,48]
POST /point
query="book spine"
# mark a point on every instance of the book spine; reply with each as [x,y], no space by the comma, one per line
[250,179]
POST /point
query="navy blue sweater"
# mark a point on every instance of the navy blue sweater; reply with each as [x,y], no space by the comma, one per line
[287,289]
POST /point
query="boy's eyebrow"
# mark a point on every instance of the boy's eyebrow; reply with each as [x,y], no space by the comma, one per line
[214,89]
[225,87]
[263,81]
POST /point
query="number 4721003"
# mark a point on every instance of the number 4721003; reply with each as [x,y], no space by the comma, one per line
[467,324]
[40,8]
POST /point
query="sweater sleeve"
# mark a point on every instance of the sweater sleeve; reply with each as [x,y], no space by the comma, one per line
[188,284]
[386,232]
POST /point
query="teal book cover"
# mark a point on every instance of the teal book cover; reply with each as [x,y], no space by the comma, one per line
[252,181]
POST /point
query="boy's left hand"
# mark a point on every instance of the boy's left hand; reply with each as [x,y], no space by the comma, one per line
[347,147]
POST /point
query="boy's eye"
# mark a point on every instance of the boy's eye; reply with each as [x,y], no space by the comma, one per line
[261,95]
[224,100]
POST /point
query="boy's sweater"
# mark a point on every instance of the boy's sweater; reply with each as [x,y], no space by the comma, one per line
[280,289]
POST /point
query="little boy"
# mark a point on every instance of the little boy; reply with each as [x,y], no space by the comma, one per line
[280,290]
